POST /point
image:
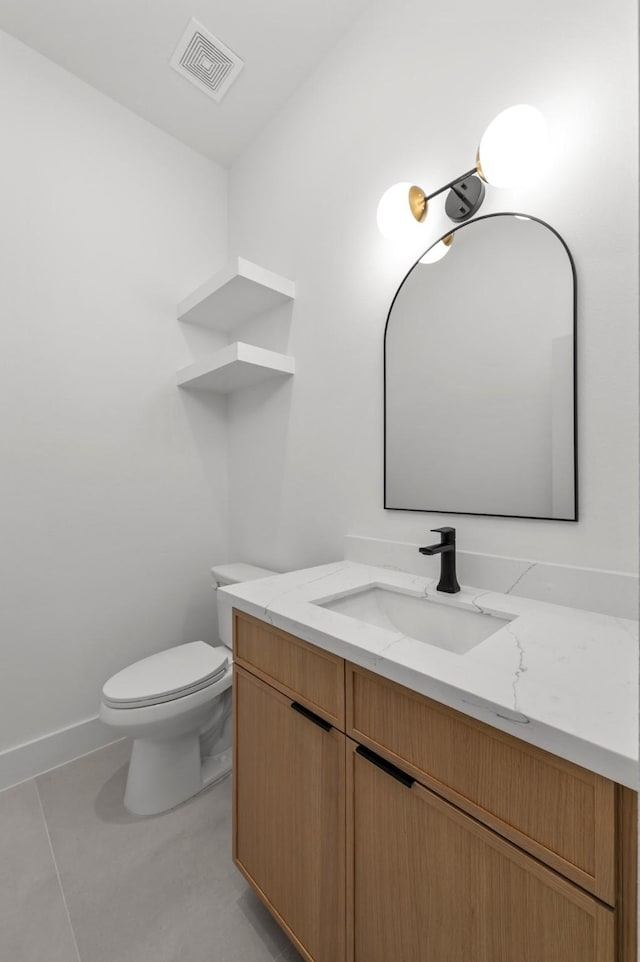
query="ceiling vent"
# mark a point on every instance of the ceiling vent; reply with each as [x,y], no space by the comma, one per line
[206,61]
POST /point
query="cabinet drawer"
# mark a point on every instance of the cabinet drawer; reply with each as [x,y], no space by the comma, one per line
[561,813]
[311,676]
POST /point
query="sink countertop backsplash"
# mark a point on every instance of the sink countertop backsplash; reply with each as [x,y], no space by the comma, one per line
[561,678]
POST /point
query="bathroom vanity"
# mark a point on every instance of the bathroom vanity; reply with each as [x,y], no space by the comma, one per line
[377,820]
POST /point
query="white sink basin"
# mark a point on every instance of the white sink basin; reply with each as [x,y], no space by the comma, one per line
[457,629]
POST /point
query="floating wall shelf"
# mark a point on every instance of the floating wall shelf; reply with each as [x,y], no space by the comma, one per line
[235,367]
[238,292]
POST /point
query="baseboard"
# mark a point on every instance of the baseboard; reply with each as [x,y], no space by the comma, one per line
[42,754]
[607,592]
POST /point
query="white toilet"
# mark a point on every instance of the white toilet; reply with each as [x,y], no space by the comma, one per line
[176,705]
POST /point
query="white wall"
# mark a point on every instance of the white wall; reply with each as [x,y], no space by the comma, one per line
[406,96]
[113,482]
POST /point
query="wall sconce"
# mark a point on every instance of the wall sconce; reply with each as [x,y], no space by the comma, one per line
[512,150]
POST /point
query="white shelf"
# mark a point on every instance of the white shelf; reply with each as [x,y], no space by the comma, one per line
[235,367]
[237,293]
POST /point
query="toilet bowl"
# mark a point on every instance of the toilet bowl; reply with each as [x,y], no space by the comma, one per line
[176,706]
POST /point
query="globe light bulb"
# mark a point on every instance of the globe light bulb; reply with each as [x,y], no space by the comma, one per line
[438,251]
[513,148]
[394,217]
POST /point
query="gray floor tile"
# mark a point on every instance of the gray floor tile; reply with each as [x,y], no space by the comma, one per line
[34,925]
[290,955]
[157,889]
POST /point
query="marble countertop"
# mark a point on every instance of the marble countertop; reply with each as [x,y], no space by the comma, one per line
[560,678]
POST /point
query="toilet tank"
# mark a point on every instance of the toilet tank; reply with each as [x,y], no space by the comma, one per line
[233,574]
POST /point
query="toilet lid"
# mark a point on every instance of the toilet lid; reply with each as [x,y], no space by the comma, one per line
[166,675]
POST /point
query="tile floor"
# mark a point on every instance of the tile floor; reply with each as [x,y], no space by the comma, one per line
[81,880]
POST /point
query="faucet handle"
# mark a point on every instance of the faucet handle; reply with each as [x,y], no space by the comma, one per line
[448,534]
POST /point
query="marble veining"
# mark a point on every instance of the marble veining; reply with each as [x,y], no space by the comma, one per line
[561,678]
[520,577]
[518,673]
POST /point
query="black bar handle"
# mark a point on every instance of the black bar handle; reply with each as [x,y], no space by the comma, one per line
[320,722]
[386,766]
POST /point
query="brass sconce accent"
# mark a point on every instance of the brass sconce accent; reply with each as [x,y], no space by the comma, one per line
[511,151]
[418,203]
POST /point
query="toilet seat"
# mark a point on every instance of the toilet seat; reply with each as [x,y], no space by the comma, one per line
[166,676]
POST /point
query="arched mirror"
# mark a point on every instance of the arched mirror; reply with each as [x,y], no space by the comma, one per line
[480,370]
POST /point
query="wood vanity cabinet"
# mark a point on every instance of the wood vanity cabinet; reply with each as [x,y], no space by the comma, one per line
[378,825]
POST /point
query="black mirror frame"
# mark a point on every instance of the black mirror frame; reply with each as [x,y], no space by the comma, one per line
[481,514]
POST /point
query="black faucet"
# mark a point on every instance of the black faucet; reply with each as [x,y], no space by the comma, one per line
[447,548]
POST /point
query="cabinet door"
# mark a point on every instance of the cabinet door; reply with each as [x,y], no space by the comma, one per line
[427,883]
[289,811]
